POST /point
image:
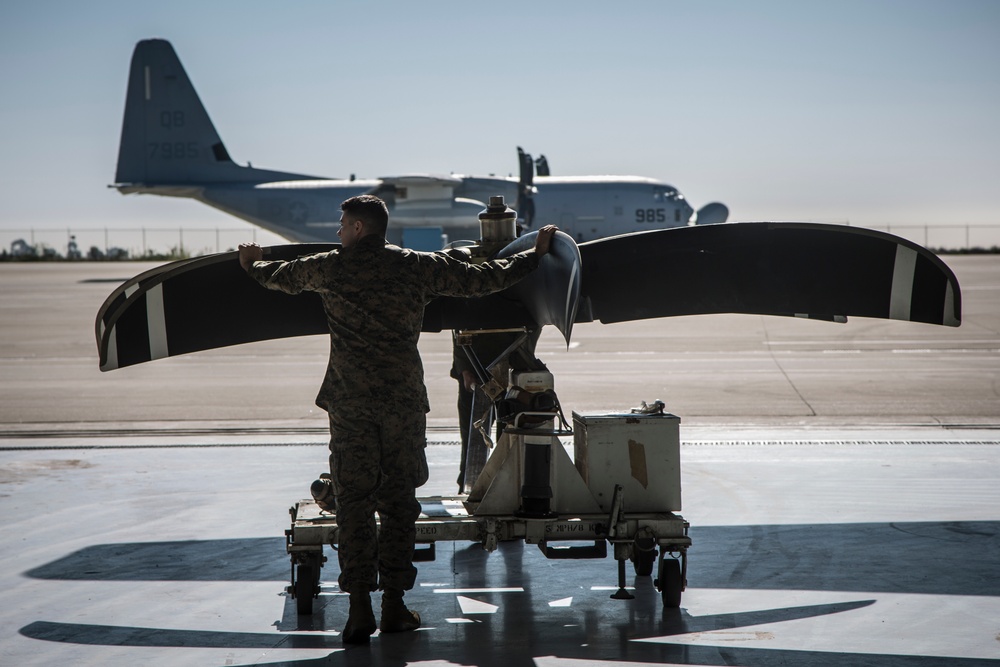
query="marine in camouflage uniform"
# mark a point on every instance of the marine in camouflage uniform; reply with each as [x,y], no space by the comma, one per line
[374,294]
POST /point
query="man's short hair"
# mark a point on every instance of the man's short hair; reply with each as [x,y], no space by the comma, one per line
[370,210]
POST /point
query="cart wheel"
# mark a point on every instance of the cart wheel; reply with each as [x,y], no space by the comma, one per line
[670,582]
[305,589]
[644,561]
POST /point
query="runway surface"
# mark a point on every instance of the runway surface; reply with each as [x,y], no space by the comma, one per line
[841,482]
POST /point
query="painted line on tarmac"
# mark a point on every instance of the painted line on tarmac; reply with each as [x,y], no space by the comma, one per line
[455,443]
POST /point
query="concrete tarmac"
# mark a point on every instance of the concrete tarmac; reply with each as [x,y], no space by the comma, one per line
[841,482]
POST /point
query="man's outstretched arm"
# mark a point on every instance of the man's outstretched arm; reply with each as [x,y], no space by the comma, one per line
[463,279]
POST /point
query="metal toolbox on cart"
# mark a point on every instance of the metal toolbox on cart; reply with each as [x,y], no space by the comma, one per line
[638,451]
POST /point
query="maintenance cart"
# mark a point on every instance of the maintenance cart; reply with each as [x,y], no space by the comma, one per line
[621,488]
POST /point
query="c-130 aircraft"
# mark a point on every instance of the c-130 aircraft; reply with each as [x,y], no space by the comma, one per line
[170,147]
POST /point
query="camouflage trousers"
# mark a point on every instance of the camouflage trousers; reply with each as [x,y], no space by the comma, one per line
[377,461]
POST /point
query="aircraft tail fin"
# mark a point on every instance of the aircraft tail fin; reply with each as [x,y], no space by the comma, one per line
[167,136]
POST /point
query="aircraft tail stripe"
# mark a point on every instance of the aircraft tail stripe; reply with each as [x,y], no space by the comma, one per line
[156,323]
[901,296]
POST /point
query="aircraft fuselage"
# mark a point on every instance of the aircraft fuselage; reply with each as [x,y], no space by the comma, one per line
[170,147]
[307,211]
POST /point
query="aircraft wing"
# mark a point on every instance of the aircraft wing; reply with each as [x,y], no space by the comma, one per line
[423,181]
[417,189]
[794,269]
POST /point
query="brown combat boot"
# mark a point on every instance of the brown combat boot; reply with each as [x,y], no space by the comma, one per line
[395,616]
[360,621]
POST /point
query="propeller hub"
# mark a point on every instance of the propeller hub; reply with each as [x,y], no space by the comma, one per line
[497,223]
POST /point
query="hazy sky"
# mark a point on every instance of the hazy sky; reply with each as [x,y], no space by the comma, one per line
[862,111]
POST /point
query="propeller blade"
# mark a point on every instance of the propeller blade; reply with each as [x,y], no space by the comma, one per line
[764,268]
[525,189]
[542,166]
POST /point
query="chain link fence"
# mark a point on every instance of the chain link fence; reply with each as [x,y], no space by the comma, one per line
[140,243]
[178,243]
[947,238]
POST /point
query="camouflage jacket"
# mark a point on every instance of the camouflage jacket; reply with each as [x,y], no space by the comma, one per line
[374,296]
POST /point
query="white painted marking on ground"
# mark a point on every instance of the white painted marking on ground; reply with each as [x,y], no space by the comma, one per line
[556,661]
[470,606]
[564,602]
[945,342]
[874,629]
[472,591]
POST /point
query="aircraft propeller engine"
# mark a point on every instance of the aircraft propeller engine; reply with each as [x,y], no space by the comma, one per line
[712,214]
